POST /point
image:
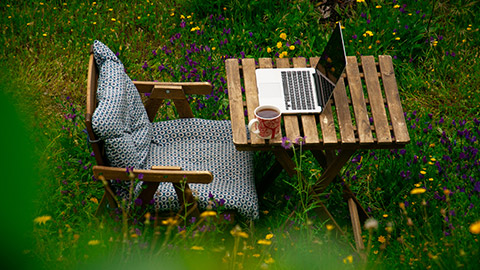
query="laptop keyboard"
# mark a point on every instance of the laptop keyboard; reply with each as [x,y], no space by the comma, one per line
[326,90]
[298,90]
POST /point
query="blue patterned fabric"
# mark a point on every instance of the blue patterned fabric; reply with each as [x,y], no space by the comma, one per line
[198,144]
[193,144]
[120,118]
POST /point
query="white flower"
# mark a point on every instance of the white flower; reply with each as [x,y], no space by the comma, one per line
[371,223]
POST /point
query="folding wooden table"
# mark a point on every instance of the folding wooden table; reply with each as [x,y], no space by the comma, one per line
[364,113]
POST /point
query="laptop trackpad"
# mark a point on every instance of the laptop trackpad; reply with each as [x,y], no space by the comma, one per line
[270,93]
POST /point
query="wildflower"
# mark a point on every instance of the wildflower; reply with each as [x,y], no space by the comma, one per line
[475,227]
[269,50]
[300,140]
[169,221]
[113,19]
[349,258]
[360,1]
[279,44]
[371,223]
[270,260]
[286,143]
[94,200]
[381,239]
[208,214]
[292,47]
[196,28]
[269,236]
[396,6]
[417,191]
[369,33]
[196,248]
[93,242]
[283,36]
[42,219]
[378,6]
[264,242]
[237,232]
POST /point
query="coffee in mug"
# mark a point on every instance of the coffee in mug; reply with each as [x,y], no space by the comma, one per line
[266,124]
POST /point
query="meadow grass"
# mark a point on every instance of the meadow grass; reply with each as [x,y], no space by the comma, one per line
[424,199]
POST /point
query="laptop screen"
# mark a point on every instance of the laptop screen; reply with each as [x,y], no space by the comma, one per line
[333,59]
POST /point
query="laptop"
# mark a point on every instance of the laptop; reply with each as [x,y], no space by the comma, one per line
[304,90]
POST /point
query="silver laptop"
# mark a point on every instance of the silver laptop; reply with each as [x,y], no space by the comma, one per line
[304,90]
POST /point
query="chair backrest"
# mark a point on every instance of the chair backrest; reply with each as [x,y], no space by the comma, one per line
[120,118]
[92,80]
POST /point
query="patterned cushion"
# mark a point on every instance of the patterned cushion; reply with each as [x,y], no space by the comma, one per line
[198,144]
[120,118]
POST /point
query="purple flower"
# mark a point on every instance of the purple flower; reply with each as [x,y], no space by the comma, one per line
[138,202]
[300,140]
[286,143]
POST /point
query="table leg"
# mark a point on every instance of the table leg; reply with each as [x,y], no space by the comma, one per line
[332,170]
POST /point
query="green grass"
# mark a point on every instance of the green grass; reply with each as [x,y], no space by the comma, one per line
[44,55]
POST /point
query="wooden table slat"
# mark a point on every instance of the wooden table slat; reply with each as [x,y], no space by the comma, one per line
[267,63]
[327,123]
[342,108]
[380,121]
[251,93]
[358,101]
[393,99]
[309,125]
[236,102]
[292,129]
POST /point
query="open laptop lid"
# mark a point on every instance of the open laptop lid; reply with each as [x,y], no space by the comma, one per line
[333,61]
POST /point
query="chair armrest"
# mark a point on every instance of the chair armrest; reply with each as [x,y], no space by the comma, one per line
[164,175]
[197,88]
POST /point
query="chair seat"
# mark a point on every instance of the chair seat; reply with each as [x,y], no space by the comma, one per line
[199,144]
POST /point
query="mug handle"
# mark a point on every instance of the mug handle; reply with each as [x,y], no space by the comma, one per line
[250,125]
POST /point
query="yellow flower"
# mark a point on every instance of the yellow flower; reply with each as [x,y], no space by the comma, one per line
[397,38]
[330,227]
[172,14]
[283,36]
[381,239]
[113,19]
[378,6]
[214,48]
[196,248]
[279,44]
[42,219]
[256,255]
[182,17]
[94,200]
[264,242]
[423,172]
[269,236]
[475,227]
[169,221]
[270,260]
[417,191]
[348,259]
[237,232]
[396,6]
[269,50]
[93,242]
[385,215]
[196,28]
[208,214]
[291,47]
[360,1]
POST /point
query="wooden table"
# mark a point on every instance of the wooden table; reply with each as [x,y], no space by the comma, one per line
[364,113]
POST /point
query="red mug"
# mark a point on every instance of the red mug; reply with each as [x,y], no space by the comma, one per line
[267,120]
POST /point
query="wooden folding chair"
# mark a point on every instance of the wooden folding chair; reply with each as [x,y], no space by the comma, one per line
[158,92]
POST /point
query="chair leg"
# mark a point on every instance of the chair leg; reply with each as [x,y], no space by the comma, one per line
[101,205]
[357,230]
